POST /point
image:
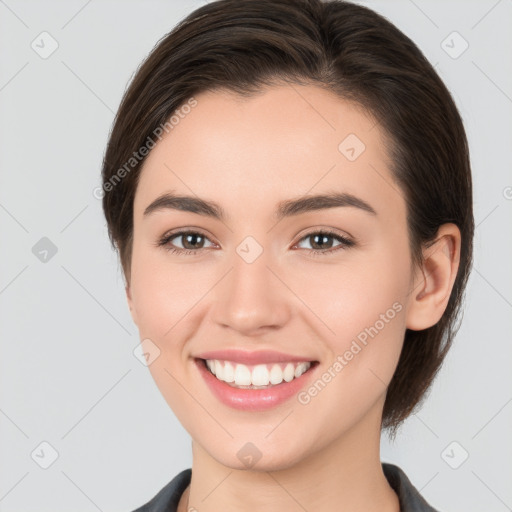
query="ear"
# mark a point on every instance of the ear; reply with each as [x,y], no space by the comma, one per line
[130,303]
[433,283]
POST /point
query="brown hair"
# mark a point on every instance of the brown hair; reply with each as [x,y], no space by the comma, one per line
[244,45]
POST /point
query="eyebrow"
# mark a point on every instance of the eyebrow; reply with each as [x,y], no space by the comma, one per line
[287,208]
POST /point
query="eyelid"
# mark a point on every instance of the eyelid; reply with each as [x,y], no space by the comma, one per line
[168,235]
[326,230]
[346,242]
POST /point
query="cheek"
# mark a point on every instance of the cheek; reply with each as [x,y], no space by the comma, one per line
[166,295]
[167,301]
[361,308]
[352,293]
[366,313]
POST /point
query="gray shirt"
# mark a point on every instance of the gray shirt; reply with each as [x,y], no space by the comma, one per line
[410,499]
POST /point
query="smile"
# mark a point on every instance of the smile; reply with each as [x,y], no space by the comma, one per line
[258,376]
[257,387]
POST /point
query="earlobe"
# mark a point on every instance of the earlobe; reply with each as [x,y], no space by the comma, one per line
[433,284]
[130,303]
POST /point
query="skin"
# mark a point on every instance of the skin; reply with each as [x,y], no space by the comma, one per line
[247,155]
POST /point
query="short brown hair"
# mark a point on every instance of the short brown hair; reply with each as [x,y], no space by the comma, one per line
[243,45]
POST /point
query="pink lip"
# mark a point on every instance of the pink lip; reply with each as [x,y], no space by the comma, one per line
[251,358]
[254,399]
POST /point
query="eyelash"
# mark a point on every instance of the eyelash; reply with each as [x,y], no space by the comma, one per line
[345,242]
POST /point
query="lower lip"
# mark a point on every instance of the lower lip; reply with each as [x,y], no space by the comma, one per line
[254,399]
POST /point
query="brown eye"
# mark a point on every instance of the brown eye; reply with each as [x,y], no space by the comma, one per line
[187,242]
[321,242]
[192,240]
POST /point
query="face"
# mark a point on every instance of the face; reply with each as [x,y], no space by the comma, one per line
[325,282]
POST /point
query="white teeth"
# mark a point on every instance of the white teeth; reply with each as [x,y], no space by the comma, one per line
[301,368]
[242,375]
[276,375]
[260,375]
[218,369]
[228,372]
[289,372]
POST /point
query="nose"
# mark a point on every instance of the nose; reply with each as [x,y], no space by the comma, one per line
[251,299]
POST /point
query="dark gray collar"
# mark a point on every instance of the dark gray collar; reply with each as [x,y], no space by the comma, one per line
[409,497]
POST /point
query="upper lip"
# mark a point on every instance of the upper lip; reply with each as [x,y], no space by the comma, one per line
[251,357]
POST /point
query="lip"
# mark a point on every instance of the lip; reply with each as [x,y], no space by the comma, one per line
[254,400]
[252,358]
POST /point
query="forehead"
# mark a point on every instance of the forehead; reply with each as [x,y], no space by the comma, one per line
[285,141]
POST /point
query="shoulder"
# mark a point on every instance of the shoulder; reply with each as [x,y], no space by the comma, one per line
[167,499]
[409,497]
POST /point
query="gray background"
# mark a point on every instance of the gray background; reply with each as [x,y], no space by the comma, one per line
[68,374]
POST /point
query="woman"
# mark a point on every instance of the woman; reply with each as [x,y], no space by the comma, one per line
[289,189]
